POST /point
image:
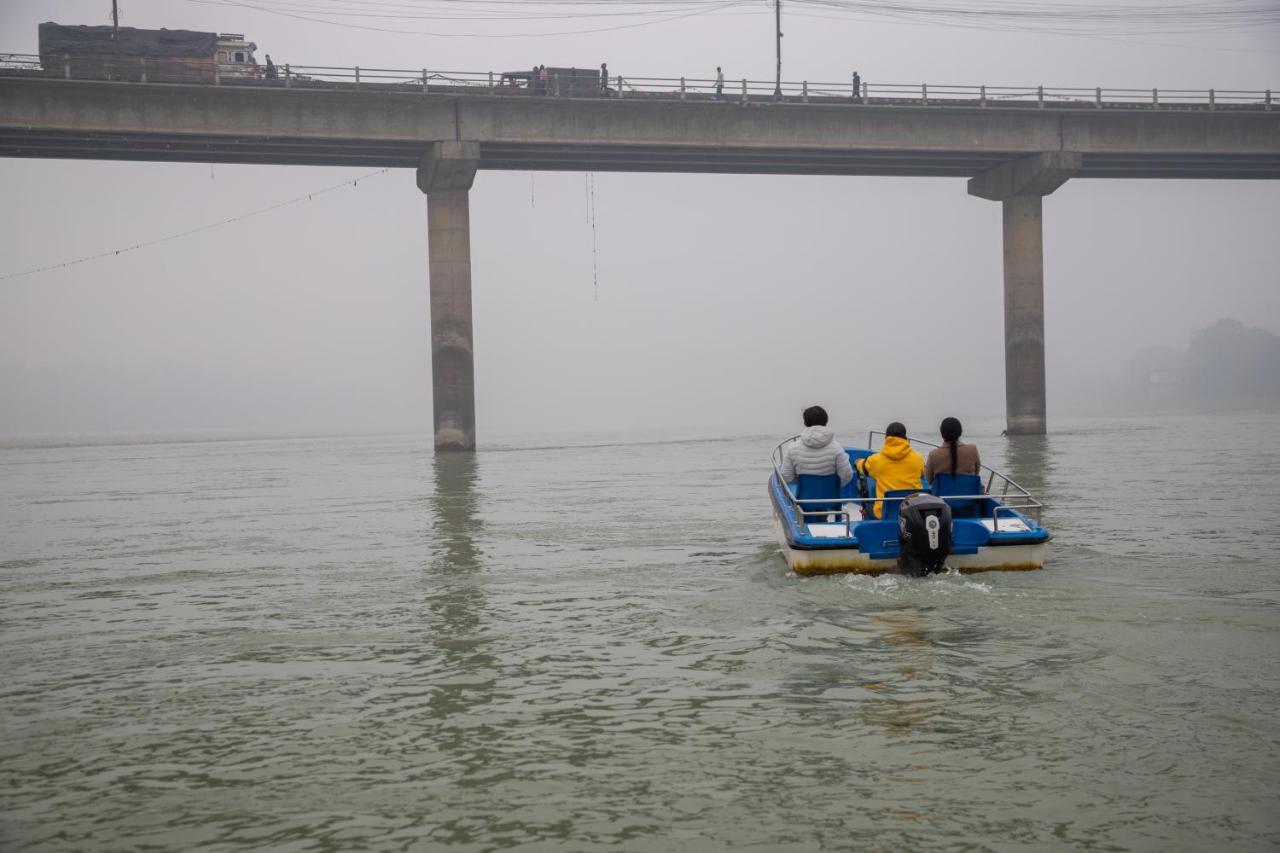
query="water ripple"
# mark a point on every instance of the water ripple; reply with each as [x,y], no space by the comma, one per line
[321,644]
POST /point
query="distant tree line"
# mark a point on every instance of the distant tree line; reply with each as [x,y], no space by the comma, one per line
[1225,361]
[1230,359]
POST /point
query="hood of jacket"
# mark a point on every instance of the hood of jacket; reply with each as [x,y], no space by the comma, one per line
[896,448]
[817,436]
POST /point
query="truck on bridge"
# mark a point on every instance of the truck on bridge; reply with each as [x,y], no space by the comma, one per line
[566,82]
[129,53]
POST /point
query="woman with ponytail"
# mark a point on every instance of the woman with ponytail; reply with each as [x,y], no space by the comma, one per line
[953,457]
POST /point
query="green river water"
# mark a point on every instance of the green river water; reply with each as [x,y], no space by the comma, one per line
[333,644]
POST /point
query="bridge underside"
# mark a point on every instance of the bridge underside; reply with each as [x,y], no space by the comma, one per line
[207,148]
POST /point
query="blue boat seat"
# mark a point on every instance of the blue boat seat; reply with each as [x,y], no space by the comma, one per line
[960,484]
[816,487]
[878,540]
[890,512]
[968,535]
[850,489]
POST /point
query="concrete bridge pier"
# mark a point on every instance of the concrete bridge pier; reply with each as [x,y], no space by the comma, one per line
[1021,186]
[445,175]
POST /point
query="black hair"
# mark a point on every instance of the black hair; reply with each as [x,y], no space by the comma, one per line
[951,431]
[895,430]
[815,416]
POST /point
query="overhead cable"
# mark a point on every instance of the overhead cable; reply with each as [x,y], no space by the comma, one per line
[244,4]
[147,243]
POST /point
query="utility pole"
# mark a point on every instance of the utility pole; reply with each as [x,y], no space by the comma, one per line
[777,86]
[115,36]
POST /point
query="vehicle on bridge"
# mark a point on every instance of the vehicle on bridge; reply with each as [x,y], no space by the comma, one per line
[565,82]
[962,523]
[161,56]
[518,81]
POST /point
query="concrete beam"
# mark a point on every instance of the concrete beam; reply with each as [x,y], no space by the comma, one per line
[445,175]
[1024,380]
[449,165]
[1037,175]
[41,117]
[1022,185]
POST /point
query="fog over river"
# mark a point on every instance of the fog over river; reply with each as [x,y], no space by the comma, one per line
[244,607]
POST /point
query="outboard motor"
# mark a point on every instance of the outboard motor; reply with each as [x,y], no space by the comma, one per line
[924,535]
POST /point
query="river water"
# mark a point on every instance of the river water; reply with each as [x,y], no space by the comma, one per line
[577,644]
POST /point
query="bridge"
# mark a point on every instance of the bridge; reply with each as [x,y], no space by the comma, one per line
[1015,146]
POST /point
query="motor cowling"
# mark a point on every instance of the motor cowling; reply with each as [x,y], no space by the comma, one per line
[924,535]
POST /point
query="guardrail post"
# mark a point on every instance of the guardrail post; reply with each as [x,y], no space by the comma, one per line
[1155,98]
[555,85]
[982,95]
[804,91]
[866,92]
[357,76]
[853,86]
[490,79]
[424,81]
[288,76]
[217,75]
[1097,98]
[619,85]
[142,74]
[1213,100]
[682,88]
[744,90]
[1040,97]
[924,94]
[1267,103]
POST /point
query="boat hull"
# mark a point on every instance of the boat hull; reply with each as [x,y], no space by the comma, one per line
[829,561]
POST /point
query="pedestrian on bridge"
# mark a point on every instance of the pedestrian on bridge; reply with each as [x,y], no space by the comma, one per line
[719,83]
[604,79]
[271,68]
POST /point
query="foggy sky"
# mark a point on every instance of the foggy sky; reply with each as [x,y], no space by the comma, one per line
[725,302]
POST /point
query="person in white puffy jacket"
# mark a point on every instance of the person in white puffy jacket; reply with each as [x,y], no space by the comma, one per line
[817,452]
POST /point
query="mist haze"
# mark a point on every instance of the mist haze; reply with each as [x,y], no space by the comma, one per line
[245,604]
[715,302]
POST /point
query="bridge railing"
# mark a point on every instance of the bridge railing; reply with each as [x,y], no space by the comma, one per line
[576,84]
[19,62]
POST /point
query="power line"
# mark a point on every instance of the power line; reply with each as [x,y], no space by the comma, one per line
[850,18]
[1066,18]
[401,11]
[243,4]
[240,218]
[1034,15]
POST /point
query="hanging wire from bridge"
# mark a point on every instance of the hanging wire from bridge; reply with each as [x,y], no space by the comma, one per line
[595,258]
[111,253]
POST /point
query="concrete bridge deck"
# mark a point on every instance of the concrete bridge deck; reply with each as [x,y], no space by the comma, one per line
[1015,154]
[42,117]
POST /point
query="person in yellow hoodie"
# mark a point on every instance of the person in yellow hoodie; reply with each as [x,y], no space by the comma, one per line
[896,466]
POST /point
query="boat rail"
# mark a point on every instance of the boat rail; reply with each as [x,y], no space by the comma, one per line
[1012,495]
[1014,498]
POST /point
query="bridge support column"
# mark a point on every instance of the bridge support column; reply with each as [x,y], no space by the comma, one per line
[1021,186]
[445,175]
